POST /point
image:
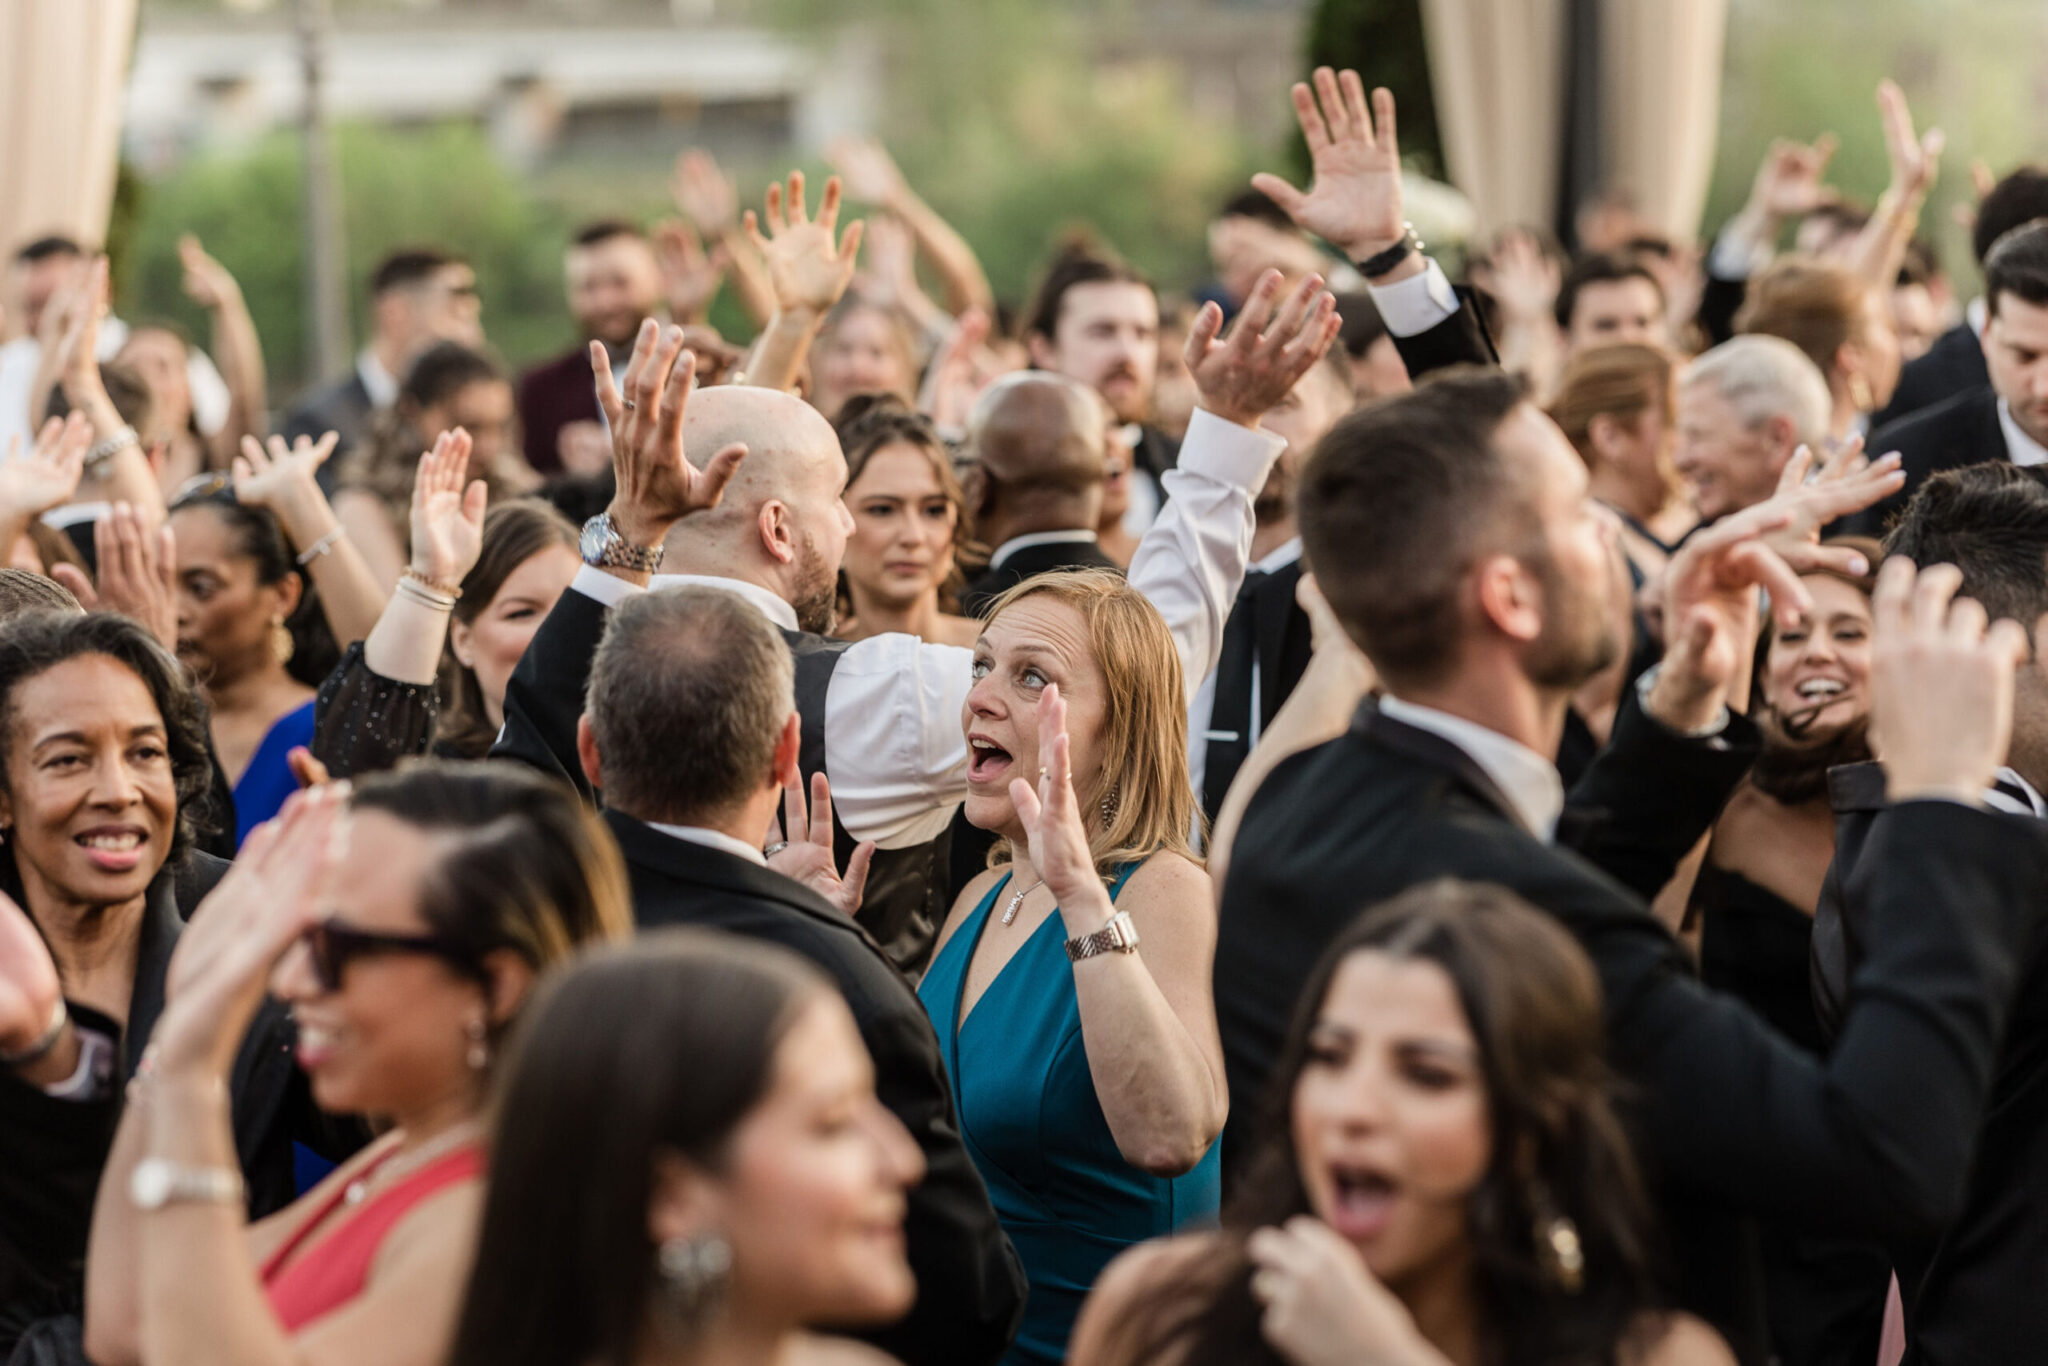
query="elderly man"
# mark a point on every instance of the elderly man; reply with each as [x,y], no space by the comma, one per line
[1743,408]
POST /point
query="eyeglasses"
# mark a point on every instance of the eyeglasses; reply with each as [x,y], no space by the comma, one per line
[333,946]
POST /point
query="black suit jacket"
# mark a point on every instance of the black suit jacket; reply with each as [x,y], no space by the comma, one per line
[1953,364]
[1282,640]
[1963,1290]
[1962,431]
[970,1286]
[992,583]
[1461,339]
[343,407]
[1735,1121]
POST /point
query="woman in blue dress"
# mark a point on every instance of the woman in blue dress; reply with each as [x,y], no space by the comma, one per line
[1088,1070]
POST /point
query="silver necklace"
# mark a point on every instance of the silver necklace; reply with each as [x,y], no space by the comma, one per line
[1010,911]
[398,1165]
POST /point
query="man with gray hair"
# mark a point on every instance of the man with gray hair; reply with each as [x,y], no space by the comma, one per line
[1743,408]
[691,732]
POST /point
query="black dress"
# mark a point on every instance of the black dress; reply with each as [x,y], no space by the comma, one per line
[364,722]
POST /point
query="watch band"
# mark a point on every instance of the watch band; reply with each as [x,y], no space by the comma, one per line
[1118,936]
[1379,263]
[601,545]
[156,1183]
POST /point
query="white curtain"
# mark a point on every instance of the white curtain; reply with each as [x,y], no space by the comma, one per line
[1498,68]
[1660,104]
[62,67]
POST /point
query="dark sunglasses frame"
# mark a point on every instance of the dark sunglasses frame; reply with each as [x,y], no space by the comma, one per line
[332,946]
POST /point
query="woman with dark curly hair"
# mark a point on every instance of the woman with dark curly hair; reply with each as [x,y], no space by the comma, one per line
[901,571]
[102,755]
[1444,1179]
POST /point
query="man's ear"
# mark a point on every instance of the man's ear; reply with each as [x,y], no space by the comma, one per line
[778,536]
[788,747]
[586,752]
[1509,597]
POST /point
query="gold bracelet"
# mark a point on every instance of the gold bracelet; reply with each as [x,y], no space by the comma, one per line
[449,591]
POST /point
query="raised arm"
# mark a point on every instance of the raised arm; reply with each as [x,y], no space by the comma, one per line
[872,177]
[116,469]
[45,478]
[1915,161]
[705,195]
[285,480]
[237,350]
[810,269]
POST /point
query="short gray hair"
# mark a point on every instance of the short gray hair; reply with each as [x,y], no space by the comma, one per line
[1762,377]
[689,692]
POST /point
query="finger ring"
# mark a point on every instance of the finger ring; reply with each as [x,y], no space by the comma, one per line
[772,850]
[1043,771]
[627,404]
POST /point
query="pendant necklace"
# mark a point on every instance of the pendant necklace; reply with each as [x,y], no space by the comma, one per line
[1010,911]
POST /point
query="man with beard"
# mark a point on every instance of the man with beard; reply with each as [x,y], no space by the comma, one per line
[1096,320]
[1035,490]
[881,716]
[1267,641]
[614,281]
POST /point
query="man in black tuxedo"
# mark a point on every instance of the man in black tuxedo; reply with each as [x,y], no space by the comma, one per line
[1035,488]
[2004,420]
[1962,1293]
[1955,362]
[691,732]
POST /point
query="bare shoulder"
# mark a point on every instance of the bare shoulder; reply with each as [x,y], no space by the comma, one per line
[814,1350]
[1678,1340]
[970,897]
[1168,881]
[1133,1278]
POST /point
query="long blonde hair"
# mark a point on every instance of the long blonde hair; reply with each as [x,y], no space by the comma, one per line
[1144,780]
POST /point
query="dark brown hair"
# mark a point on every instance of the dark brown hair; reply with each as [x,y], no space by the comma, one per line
[1532,1001]
[660,1047]
[1077,263]
[870,422]
[514,532]
[1818,306]
[1398,501]
[1621,380]
[1793,766]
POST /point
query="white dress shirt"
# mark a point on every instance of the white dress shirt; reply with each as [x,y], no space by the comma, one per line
[380,384]
[710,839]
[1010,547]
[1529,781]
[1412,306]
[1203,705]
[20,357]
[894,746]
[2023,449]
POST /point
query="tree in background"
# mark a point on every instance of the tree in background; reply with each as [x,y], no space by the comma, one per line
[1382,40]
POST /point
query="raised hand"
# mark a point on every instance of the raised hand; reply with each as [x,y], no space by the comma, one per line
[447,512]
[870,173]
[207,281]
[656,485]
[1846,482]
[690,275]
[891,275]
[29,987]
[1323,1307]
[807,857]
[138,566]
[704,193]
[268,476]
[1354,202]
[275,890]
[957,374]
[1941,684]
[1524,278]
[1055,833]
[809,272]
[1791,181]
[47,477]
[79,346]
[1915,161]
[1710,611]
[1242,376]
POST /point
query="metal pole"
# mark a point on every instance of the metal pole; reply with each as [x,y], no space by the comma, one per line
[327,340]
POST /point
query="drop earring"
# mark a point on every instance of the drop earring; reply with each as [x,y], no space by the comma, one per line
[693,1278]
[281,643]
[479,1055]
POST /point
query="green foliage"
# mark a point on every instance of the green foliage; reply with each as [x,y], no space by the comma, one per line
[1383,41]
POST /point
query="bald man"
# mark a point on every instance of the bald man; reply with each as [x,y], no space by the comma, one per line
[1035,490]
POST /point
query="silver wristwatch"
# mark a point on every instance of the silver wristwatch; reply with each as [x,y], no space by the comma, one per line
[156,1182]
[1118,936]
[602,546]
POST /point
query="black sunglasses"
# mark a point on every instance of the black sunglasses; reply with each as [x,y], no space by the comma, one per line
[333,946]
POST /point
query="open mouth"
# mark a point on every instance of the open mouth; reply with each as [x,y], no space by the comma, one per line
[1364,1202]
[987,761]
[316,1044]
[114,851]
[1821,689]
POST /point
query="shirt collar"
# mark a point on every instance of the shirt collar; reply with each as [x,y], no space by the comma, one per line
[1529,781]
[1031,538]
[2023,449]
[380,384]
[769,605]
[1287,554]
[711,839]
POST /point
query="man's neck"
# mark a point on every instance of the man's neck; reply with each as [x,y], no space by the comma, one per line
[1504,702]
[747,822]
[387,352]
[713,559]
[1000,529]
[1270,534]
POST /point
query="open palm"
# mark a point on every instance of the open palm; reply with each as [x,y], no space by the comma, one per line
[447,511]
[49,474]
[807,268]
[1354,202]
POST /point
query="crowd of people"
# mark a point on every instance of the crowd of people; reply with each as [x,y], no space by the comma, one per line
[1334,817]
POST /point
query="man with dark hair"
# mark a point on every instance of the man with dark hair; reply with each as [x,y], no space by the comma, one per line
[1956,363]
[1610,297]
[613,282]
[418,296]
[2006,419]
[1035,488]
[691,732]
[1991,523]
[1453,536]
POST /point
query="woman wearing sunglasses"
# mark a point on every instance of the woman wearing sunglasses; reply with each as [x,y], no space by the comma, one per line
[404,926]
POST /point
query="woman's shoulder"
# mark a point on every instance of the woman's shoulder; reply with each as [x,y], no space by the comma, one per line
[1138,1275]
[1674,1339]
[814,1350]
[1167,878]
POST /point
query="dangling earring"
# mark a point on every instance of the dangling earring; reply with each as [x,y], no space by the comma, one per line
[281,643]
[479,1055]
[693,1277]
[1558,1250]
[1860,395]
[1110,800]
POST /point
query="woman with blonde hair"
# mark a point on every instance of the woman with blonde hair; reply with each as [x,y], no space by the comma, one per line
[1843,324]
[1618,405]
[1088,1069]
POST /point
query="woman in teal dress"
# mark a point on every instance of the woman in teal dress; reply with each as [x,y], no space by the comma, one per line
[1088,1070]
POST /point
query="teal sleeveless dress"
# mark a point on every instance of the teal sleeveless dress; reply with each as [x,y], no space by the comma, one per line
[1064,1194]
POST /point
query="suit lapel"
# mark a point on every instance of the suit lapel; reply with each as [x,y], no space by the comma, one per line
[714,869]
[1425,747]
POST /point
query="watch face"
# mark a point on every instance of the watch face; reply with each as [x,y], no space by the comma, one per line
[597,535]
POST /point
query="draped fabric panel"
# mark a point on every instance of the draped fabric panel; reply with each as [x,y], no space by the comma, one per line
[1661,101]
[63,64]
[1498,69]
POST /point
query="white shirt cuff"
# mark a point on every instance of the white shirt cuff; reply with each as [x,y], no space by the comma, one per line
[1736,257]
[609,589]
[1219,449]
[1412,306]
